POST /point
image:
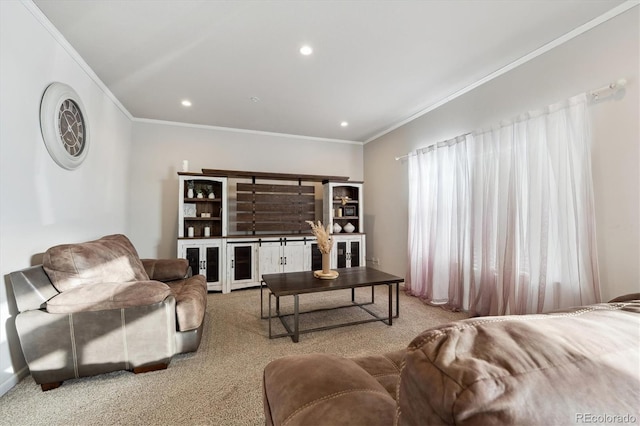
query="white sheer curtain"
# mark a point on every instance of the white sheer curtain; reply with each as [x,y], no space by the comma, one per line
[502,222]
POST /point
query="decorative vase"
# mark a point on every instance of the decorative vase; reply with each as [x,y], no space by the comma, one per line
[326,263]
[200,195]
[190,193]
[212,195]
[337,228]
[349,228]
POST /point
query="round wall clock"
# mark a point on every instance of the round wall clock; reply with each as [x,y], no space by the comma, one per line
[64,125]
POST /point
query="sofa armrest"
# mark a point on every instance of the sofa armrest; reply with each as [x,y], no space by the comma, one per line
[523,369]
[323,389]
[31,288]
[166,269]
[626,298]
[58,347]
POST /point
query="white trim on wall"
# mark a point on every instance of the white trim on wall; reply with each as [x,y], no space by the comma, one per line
[235,130]
[44,21]
[526,58]
[13,380]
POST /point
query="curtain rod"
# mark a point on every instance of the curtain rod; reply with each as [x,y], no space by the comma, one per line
[595,95]
[448,142]
[613,86]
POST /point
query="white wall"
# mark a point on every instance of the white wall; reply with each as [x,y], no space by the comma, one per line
[41,204]
[159,148]
[591,60]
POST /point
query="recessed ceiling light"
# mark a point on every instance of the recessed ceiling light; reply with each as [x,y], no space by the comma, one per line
[344,124]
[306,50]
[186,103]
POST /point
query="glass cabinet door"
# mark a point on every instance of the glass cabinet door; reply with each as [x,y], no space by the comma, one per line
[243,263]
[316,258]
[354,256]
[341,248]
[193,257]
[212,271]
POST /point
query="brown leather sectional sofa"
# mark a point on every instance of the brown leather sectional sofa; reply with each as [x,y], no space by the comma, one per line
[578,366]
[96,307]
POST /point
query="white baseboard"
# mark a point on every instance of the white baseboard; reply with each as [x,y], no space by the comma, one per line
[13,380]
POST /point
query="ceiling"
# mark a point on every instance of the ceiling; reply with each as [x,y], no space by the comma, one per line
[374,63]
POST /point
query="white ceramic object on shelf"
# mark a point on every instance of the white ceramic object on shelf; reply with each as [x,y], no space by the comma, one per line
[337,228]
[349,228]
[212,195]
[190,193]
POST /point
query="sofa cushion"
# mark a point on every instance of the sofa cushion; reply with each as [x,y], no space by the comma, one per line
[191,301]
[323,389]
[384,368]
[166,269]
[105,296]
[109,259]
[529,369]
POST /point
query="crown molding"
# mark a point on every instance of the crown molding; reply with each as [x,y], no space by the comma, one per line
[526,58]
[62,41]
[246,131]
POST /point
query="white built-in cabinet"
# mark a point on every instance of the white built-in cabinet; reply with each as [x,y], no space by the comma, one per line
[231,262]
[348,251]
[202,224]
[288,254]
[242,264]
[206,258]
[342,204]
[248,260]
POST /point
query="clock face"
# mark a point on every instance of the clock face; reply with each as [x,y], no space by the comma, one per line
[72,129]
[64,125]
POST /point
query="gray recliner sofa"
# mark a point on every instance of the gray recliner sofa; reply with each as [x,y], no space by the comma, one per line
[580,365]
[96,307]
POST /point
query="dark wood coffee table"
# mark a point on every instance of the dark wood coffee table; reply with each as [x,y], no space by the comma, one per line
[297,283]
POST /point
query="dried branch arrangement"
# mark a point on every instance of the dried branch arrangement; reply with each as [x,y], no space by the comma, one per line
[325,242]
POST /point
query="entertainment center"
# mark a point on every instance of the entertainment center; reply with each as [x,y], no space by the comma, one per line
[235,226]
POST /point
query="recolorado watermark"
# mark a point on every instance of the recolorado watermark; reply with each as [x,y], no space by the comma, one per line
[591,418]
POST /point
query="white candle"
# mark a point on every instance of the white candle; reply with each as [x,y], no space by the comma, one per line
[207,231]
[190,231]
[185,165]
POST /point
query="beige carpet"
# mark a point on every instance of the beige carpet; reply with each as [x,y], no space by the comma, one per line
[220,384]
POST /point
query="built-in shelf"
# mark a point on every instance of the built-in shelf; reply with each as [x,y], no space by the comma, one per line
[202,200]
[267,222]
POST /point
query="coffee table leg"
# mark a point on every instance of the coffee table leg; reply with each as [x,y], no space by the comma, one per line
[397,300]
[390,287]
[261,302]
[270,316]
[296,314]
